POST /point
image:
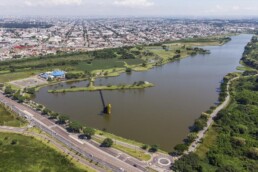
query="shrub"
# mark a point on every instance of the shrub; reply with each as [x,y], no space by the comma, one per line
[107,142]
[180,148]
[144,147]
[153,148]
[128,70]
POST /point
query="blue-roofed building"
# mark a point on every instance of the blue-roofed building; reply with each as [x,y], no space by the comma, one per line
[59,74]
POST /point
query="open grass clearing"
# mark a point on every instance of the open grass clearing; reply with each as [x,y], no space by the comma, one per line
[8,118]
[207,143]
[23,153]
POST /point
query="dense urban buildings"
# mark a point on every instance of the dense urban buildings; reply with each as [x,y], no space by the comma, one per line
[26,37]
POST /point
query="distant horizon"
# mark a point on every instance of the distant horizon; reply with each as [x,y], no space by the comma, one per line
[132,16]
[130,8]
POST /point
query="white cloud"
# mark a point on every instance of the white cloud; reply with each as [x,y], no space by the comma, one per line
[236,7]
[52,2]
[134,3]
[219,7]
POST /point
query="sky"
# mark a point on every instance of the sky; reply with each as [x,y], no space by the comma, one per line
[137,8]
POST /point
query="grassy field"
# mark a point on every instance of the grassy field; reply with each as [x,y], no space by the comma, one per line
[9,119]
[207,143]
[141,155]
[22,153]
[208,41]
[97,88]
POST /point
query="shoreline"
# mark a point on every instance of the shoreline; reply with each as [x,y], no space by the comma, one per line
[98,88]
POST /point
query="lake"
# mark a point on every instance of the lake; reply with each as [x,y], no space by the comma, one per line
[159,115]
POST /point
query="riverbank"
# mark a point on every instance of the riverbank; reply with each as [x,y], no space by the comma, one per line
[110,87]
[228,144]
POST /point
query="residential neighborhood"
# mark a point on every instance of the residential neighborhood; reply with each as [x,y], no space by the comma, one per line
[29,37]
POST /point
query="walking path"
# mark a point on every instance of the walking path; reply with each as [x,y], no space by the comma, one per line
[201,134]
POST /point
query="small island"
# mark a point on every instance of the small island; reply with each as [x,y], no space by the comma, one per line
[91,87]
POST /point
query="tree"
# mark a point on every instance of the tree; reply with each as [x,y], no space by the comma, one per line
[128,70]
[180,148]
[39,107]
[21,99]
[89,132]
[191,137]
[75,127]
[30,91]
[16,95]
[253,153]
[227,168]
[153,148]
[144,64]
[107,142]
[62,119]
[178,51]
[144,147]
[53,114]
[46,111]
[199,124]
[188,163]
[8,90]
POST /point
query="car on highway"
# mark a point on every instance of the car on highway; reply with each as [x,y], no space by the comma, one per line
[121,169]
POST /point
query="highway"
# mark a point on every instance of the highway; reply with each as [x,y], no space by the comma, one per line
[87,150]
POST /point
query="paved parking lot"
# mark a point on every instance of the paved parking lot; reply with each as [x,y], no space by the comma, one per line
[29,82]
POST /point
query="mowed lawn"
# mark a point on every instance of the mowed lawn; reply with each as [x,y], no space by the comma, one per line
[9,119]
[25,154]
[98,64]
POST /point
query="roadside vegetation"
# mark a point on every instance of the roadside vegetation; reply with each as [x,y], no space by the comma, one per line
[231,143]
[134,152]
[8,118]
[23,153]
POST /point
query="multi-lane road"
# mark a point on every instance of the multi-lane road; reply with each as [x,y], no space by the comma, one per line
[86,149]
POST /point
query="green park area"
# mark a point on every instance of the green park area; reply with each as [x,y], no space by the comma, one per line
[140,154]
[107,62]
[8,118]
[23,153]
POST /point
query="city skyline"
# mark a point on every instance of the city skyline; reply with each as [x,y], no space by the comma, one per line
[122,8]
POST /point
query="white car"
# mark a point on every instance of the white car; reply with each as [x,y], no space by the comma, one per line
[121,169]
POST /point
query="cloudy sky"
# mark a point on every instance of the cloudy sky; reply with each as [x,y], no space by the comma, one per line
[193,8]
